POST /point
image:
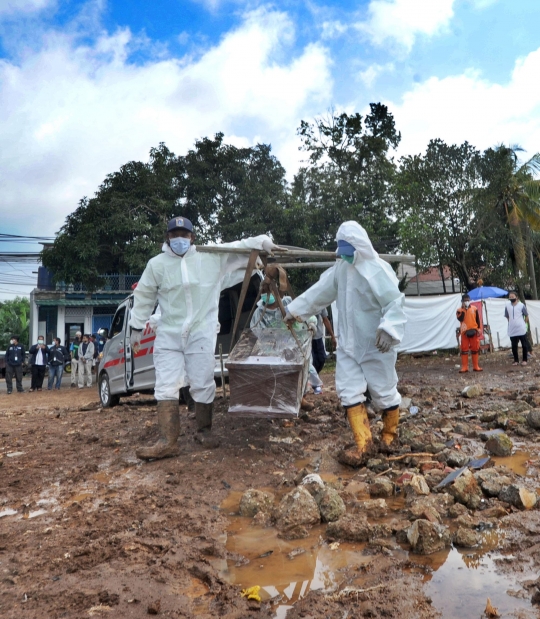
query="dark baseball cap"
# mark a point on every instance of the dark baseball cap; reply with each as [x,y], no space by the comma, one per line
[177,223]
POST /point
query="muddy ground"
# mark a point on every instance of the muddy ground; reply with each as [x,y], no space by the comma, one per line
[87,530]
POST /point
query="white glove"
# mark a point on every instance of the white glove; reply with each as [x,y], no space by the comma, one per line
[269,246]
[135,339]
[289,318]
[383,341]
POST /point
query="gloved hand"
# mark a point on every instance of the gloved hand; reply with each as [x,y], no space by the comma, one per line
[383,341]
[289,318]
[135,339]
[268,246]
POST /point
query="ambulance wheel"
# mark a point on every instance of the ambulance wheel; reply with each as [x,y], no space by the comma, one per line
[107,400]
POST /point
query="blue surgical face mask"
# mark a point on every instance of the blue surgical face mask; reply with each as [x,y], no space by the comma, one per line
[180,245]
[268,299]
[349,259]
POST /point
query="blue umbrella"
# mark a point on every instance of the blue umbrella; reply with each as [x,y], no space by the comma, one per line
[487,292]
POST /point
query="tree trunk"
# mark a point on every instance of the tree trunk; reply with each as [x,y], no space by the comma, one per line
[441,269]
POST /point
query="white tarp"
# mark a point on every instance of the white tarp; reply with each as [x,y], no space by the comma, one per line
[432,323]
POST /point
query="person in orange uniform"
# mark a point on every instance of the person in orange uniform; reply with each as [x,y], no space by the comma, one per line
[468,316]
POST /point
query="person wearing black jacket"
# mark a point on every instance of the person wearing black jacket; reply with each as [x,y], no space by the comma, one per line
[14,363]
[58,355]
[39,356]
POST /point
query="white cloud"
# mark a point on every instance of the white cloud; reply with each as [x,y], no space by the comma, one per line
[401,21]
[8,7]
[370,75]
[73,113]
[468,108]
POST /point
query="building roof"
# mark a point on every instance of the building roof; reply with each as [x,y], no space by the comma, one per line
[78,302]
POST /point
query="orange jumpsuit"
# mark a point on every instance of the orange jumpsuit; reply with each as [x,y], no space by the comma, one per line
[469,320]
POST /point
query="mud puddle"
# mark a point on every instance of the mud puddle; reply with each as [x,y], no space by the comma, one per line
[458,581]
[518,462]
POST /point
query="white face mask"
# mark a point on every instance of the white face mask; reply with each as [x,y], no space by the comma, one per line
[12,342]
[40,342]
[467,303]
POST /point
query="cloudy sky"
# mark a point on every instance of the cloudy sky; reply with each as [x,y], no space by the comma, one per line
[87,86]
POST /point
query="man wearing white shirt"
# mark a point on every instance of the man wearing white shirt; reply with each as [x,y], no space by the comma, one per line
[518,317]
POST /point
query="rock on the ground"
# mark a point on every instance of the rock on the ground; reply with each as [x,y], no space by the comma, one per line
[457,459]
[405,403]
[330,504]
[255,501]
[356,528]
[374,508]
[466,538]
[417,486]
[488,416]
[491,482]
[296,508]
[518,497]
[428,537]
[472,391]
[381,487]
[533,418]
[466,490]
[313,483]
[457,510]
[500,445]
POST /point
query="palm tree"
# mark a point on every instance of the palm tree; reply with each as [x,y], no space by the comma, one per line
[518,200]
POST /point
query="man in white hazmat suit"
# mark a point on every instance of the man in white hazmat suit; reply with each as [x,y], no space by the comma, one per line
[371,323]
[187,285]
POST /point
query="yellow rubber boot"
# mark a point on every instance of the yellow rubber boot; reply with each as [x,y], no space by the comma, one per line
[390,423]
[359,422]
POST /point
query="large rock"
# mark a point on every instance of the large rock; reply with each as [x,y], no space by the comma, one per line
[491,482]
[428,537]
[466,538]
[417,486]
[518,497]
[373,508]
[356,528]
[255,501]
[457,459]
[500,445]
[296,508]
[466,490]
[472,391]
[381,487]
[533,418]
[330,504]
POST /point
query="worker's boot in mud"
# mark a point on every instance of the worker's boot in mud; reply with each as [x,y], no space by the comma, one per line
[188,400]
[475,365]
[464,363]
[389,434]
[203,416]
[359,422]
[169,428]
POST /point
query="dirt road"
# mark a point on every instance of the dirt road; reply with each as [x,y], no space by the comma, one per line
[87,530]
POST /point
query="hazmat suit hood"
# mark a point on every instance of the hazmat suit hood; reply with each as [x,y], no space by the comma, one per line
[353,233]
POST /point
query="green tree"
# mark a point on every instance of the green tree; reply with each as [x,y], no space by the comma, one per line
[14,320]
[515,198]
[348,176]
[227,193]
[444,216]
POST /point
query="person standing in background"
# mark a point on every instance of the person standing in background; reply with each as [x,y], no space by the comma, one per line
[86,358]
[74,348]
[468,316]
[58,355]
[14,361]
[39,357]
[518,317]
[318,350]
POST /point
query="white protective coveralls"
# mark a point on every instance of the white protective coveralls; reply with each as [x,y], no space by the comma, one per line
[368,299]
[187,289]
